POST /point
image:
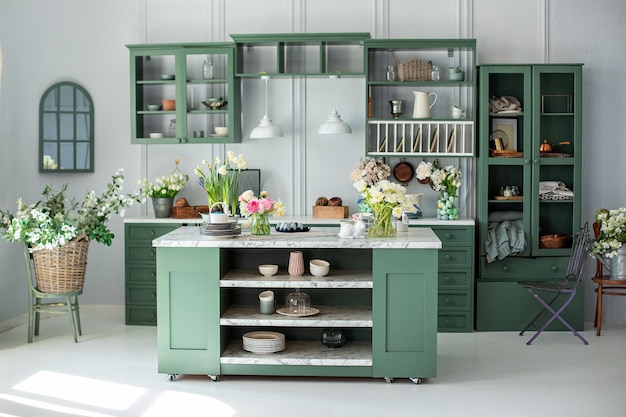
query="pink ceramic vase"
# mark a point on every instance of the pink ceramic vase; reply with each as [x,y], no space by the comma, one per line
[296,264]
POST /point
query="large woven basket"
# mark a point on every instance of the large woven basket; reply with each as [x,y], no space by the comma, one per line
[62,270]
[415,70]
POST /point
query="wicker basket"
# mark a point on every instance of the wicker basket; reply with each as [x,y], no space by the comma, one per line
[415,70]
[62,270]
[554,241]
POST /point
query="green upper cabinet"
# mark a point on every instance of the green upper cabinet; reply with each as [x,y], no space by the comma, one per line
[299,54]
[400,72]
[198,79]
[535,147]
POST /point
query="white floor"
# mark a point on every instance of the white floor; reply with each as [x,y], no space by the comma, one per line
[112,371]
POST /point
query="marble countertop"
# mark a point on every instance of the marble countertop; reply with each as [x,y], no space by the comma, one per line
[323,237]
[308,220]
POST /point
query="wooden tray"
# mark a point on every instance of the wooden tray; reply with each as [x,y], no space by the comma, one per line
[505,154]
[330,212]
[189,212]
[513,197]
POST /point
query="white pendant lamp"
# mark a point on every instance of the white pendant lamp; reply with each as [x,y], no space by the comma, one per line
[334,125]
[265,129]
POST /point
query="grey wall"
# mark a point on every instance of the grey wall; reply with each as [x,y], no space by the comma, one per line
[44,42]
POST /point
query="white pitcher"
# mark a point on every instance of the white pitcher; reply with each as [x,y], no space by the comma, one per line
[422,106]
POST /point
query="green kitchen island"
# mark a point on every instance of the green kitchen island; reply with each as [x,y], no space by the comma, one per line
[381,292]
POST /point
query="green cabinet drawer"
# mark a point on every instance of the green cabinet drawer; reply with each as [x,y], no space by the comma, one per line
[520,268]
[455,279]
[455,258]
[455,236]
[454,323]
[147,232]
[141,315]
[141,253]
[141,295]
[140,274]
[453,301]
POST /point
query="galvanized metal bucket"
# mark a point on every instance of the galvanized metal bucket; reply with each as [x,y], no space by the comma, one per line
[618,265]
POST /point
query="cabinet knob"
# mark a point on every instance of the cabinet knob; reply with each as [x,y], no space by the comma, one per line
[152,274]
[446,322]
[527,161]
[535,161]
[555,268]
[153,295]
[152,253]
[448,257]
[154,316]
[505,268]
[446,278]
[446,300]
[448,236]
[152,232]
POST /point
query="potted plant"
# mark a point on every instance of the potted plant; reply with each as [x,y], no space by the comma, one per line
[56,226]
[221,180]
[163,190]
[609,246]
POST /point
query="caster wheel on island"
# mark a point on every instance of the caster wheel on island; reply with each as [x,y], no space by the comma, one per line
[172,377]
[214,377]
[416,381]
[388,380]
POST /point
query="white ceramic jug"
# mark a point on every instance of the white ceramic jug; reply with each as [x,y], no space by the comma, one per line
[422,105]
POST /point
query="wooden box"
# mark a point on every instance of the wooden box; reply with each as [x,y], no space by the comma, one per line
[189,212]
[330,212]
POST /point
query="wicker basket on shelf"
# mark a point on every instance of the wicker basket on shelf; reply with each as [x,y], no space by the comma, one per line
[62,270]
[415,70]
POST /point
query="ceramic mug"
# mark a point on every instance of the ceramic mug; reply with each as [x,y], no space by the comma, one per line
[266,302]
[458,112]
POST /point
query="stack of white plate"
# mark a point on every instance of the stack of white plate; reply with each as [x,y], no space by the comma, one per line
[263,342]
[220,230]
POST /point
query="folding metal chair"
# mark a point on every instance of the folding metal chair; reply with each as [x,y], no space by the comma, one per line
[566,288]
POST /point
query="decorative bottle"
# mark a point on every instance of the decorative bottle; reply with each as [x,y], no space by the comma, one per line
[207,70]
[391,73]
[435,73]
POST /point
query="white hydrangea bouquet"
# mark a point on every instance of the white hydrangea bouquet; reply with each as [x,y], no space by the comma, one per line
[612,232]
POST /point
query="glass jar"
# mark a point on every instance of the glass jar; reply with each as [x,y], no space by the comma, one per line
[434,75]
[171,129]
[391,73]
[207,70]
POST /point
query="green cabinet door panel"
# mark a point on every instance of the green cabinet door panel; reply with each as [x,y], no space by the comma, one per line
[404,305]
[188,306]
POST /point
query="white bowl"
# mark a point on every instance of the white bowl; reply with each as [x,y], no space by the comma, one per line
[156,135]
[319,267]
[221,130]
[268,270]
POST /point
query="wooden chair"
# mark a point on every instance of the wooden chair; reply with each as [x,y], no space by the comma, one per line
[606,285]
[36,306]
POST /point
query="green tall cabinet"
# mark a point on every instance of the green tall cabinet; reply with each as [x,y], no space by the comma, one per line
[511,154]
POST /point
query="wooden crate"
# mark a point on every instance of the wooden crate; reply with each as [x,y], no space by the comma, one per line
[330,212]
[189,212]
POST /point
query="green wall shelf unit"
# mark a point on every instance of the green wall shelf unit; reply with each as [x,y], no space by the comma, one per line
[176,72]
[404,136]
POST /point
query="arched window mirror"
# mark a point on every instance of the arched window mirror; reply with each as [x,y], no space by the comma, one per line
[66,129]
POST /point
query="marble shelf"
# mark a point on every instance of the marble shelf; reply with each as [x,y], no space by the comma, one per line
[304,353]
[329,316]
[337,279]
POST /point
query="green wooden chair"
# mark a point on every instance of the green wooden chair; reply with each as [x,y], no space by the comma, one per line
[38,303]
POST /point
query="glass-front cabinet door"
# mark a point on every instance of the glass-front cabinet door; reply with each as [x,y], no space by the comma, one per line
[184,94]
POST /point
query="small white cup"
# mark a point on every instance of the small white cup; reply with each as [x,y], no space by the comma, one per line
[266,302]
[458,112]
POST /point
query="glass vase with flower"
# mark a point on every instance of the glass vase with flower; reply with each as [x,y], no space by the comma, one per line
[258,209]
[221,180]
[446,180]
[387,200]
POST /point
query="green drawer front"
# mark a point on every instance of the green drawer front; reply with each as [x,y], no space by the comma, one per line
[140,274]
[455,236]
[456,258]
[453,323]
[143,315]
[141,253]
[512,268]
[141,295]
[147,232]
[454,279]
[453,301]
